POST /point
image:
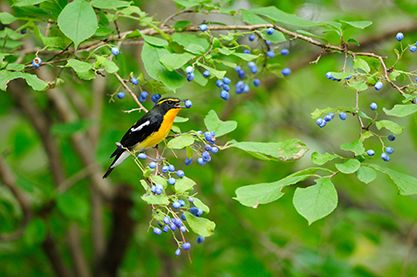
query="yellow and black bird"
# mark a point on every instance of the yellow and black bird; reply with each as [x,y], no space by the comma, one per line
[148,131]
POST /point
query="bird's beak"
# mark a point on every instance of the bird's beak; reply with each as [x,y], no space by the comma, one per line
[178,105]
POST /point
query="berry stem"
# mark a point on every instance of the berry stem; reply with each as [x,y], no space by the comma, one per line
[131,93]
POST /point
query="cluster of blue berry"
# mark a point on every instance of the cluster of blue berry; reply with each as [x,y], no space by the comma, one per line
[205,155]
[388,150]
[225,87]
[321,122]
[400,37]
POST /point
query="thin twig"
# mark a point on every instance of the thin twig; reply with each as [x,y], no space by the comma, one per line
[131,92]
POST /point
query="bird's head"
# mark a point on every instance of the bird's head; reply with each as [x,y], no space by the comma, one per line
[169,103]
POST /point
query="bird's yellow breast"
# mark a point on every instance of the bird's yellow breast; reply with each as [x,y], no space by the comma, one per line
[161,133]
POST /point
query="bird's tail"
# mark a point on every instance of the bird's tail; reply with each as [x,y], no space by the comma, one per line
[121,155]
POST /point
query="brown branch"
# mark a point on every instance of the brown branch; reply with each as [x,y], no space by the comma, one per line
[50,247]
[8,179]
[130,92]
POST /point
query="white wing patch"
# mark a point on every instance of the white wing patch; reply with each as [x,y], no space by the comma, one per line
[140,126]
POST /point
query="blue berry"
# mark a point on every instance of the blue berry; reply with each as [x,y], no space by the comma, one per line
[189,69]
[200,239]
[208,136]
[203,27]
[157,231]
[183,229]
[207,147]
[177,252]
[171,181]
[251,37]
[285,52]
[115,51]
[237,68]
[190,77]
[254,69]
[142,156]
[134,81]
[143,95]
[214,149]
[323,124]
[186,245]
[385,157]
[348,77]
[370,152]
[219,83]
[152,165]
[328,118]
[329,75]
[286,71]
[188,161]
[332,115]
[251,64]
[246,88]
[270,31]
[159,187]
[246,51]
[342,115]
[391,137]
[166,220]
[389,150]
[199,212]
[182,202]
[188,103]
[226,80]
[180,173]
[153,189]
[190,199]
[194,210]
[241,74]
[224,94]
[36,62]
[268,42]
[156,97]
[183,216]
[256,82]
[23,31]
[206,156]
[378,85]
[120,95]
[172,226]
[177,221]
[226,88]
[270,54]
[206,73]
[176,205]
[200,161]
[373,106]
[165,229]
[158,191]
[319,121]
[171,168]
[165,169]
[399,36]
[413,48]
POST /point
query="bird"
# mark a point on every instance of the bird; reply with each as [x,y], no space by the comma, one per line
[148,131]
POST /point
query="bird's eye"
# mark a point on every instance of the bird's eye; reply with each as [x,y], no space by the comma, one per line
[170,102]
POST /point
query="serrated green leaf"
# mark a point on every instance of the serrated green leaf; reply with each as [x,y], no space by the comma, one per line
[199,204]
[317,201]
[348,167]
[401,110]
[366,174]
[359,63]
[355,146]
[199,225]
[34,82]
[390,125]
[78,21]
[184,184]
[214,124]
[321,159]
[175,61]
[407,185]
[181,142]
[358,24]
[289,150]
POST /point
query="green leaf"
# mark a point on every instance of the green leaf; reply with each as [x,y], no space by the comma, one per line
[321,159]
[34,82]
[317,112]
[358,24]
[110,66]
[354,41]
[78,21]
[195,48]
[187,3]
[213,123]
[186,39]
[276,37]
[358,85]
[150,57]
[365,135]
[79,66]
[366,174]
[355,146]
[390,125]
[393,76]
[275,14]
[180,26]
[144,185]
[7,18]
[200,79]
[317,201]
[154,40]
[53,43]
[289,150]
[73,206]
[133,9]
[401,110]
[305,33]
[252,18]
[361,64]
[155,199]
[341,75]
[35,232]
[199,225]
[245,57]
[175,61]
[199,204]
[68,129]
[180,119]
[407,185]
[158,180]
[181,142]
[348,167]
[264,193]
[184,184]
[109,4]
[24,3]
[219,74]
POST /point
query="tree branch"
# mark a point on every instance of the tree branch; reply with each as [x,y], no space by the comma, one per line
[50,248]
